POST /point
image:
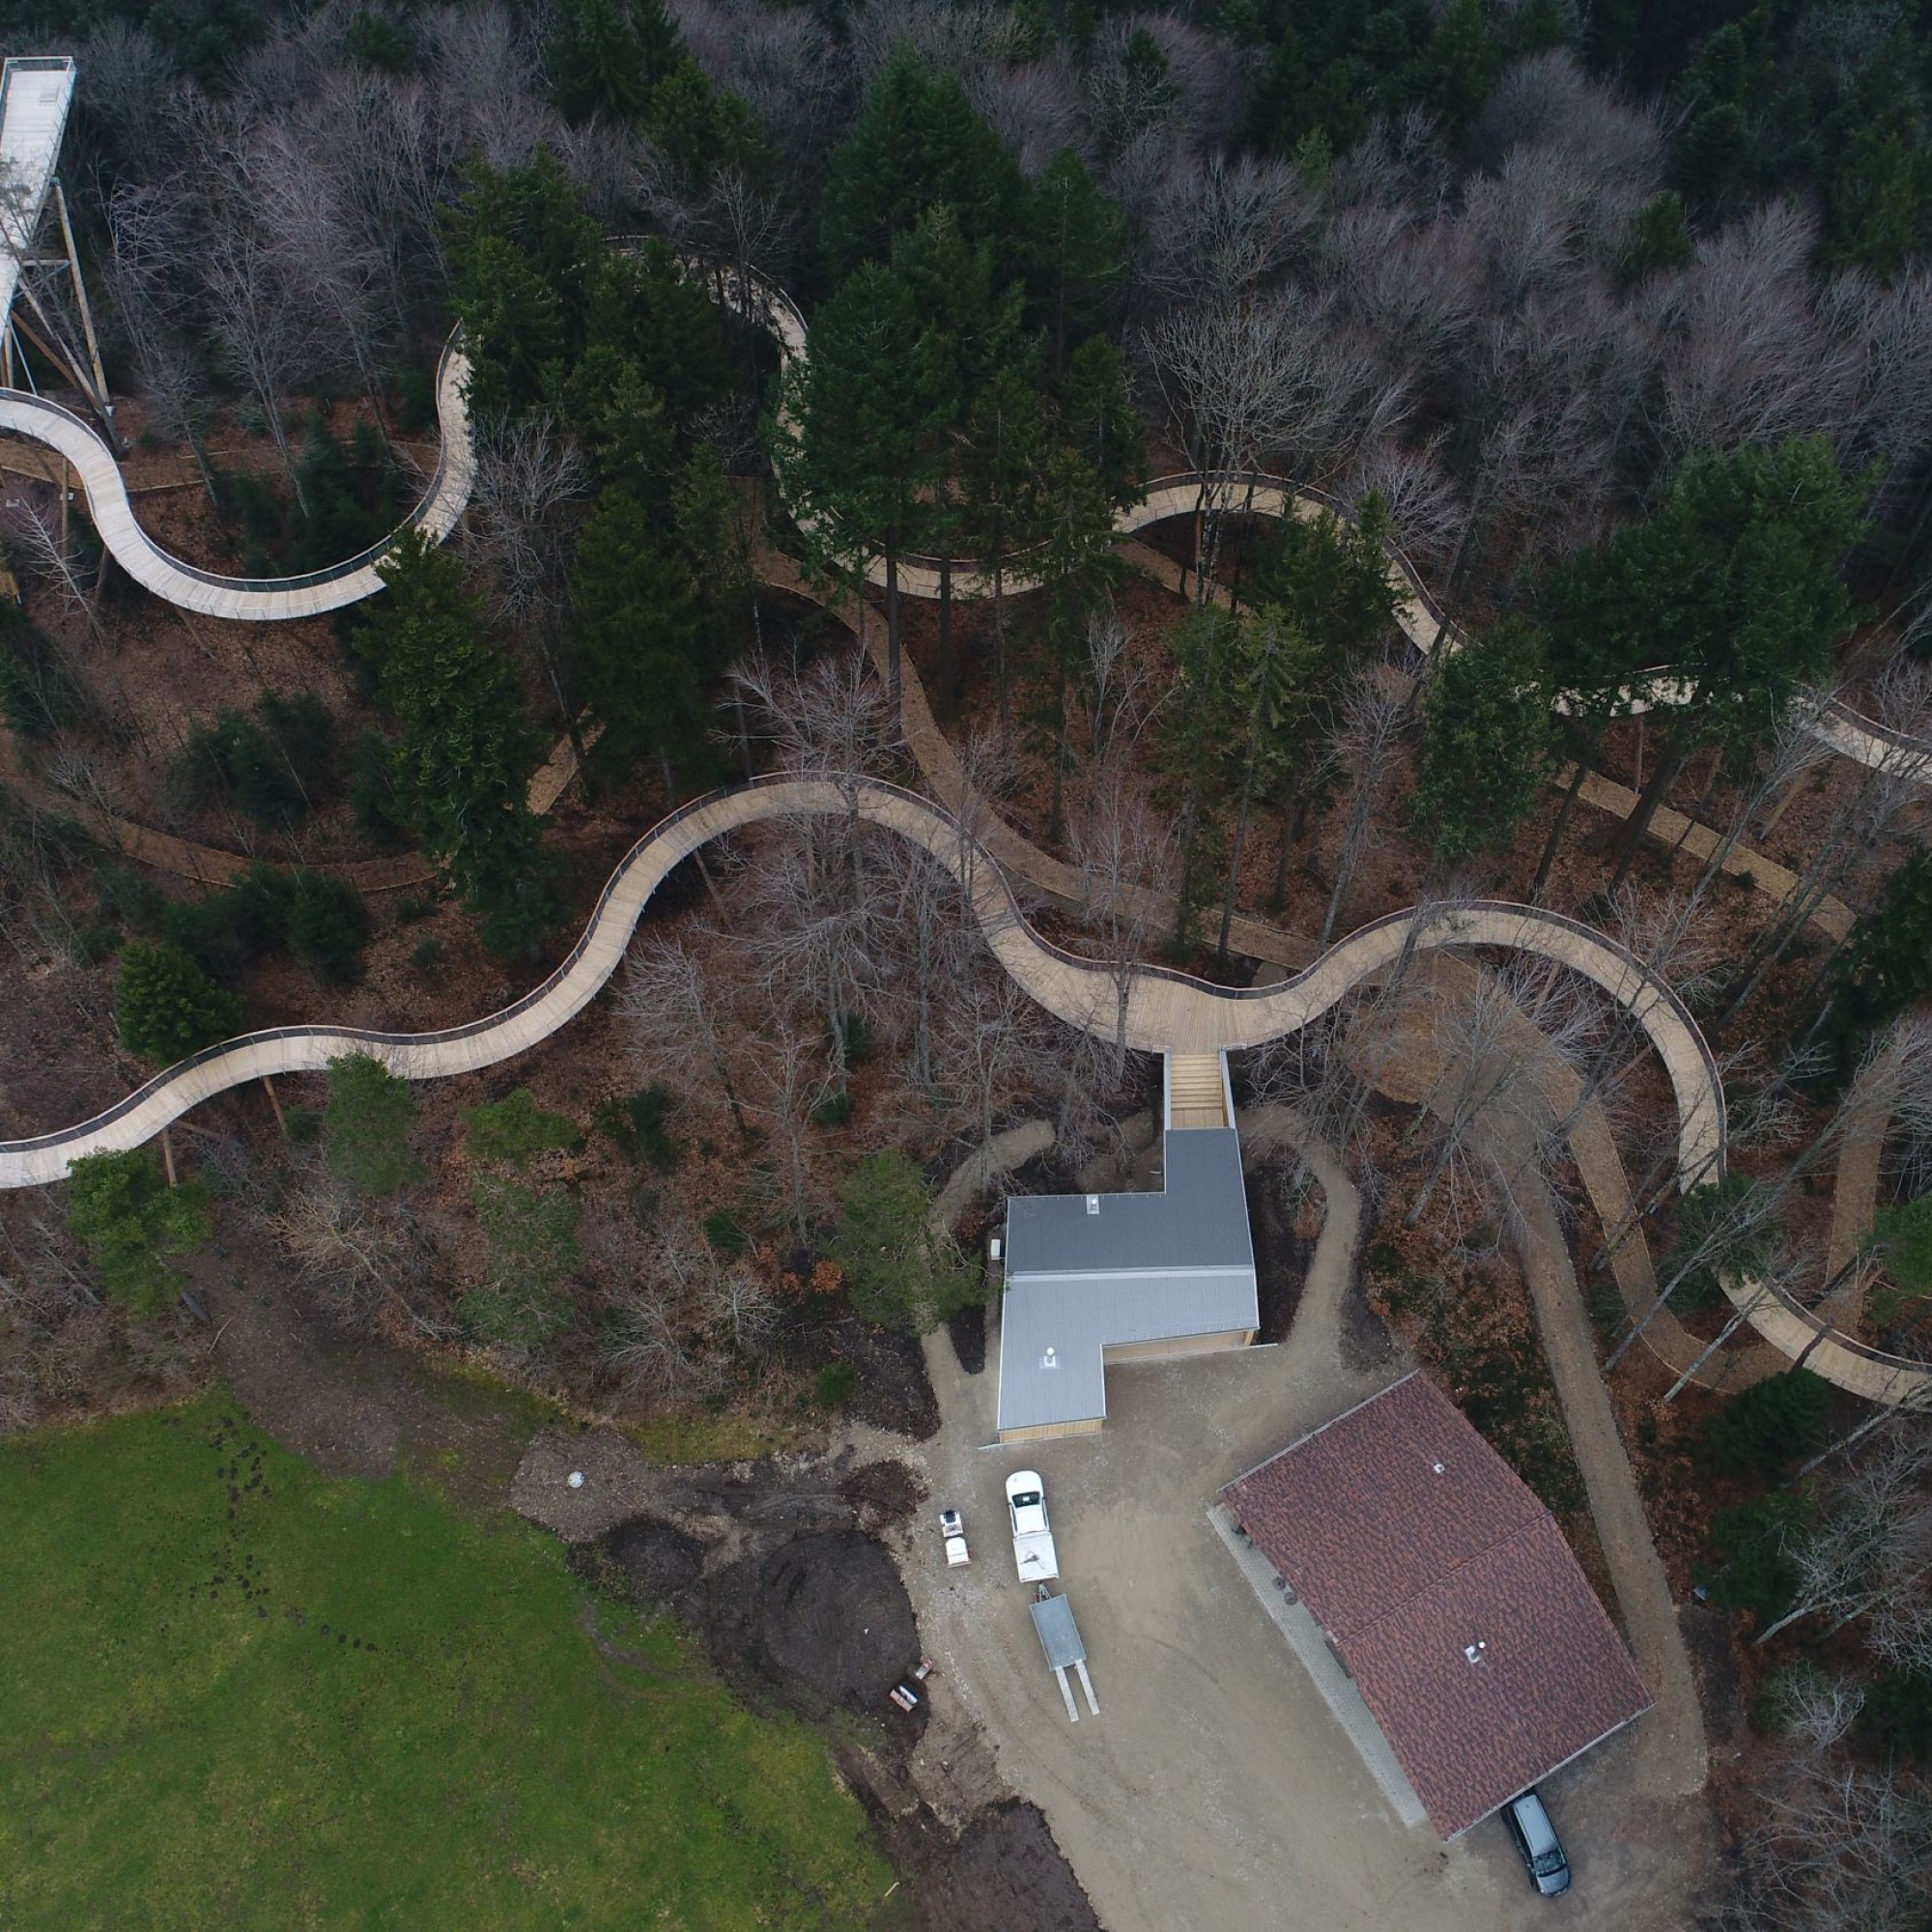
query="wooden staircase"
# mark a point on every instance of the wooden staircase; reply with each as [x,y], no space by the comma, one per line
[1195,1096]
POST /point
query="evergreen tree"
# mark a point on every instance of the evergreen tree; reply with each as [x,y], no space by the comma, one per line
[898,1273]
[532,1237]
[522,256]
[1762,1430]
[121,1209]
[664,324]
[1101,422]
[1877,190]
[515,1130]
[604,57]
[1076,259]
[327,927]
[702,130]
[916,143]
[463,765]
[1460,64]
[1733,584]
[167,1008]
[1076,563]
[367,1125]
[859,439]
[1658,241]
[1195,733]
[644,653]
[1000,463]
[1886,964]
[1487,741]
[1331,576]
[969,313]
[1275,684]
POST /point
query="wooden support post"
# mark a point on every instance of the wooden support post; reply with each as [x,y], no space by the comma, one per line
[168,1157]
[99,399]
[281,1119]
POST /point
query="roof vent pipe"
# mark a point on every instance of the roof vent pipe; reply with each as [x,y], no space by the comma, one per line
[1093,1204]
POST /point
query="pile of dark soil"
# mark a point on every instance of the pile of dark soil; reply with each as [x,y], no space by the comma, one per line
[1003,1874]
[892,1391]
[884,1493]
[966,1330]
[1281,1255]
[833,1616]
[661,1566]
[822,1621]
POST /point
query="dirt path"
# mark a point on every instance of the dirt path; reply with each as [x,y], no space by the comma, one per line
[1671,1737]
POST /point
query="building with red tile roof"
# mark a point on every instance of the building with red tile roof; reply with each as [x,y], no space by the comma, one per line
[1447,1592]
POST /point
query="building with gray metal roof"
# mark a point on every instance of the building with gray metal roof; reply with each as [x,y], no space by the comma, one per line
[1094,1278]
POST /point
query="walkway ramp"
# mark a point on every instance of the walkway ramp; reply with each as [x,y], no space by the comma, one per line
[34,95]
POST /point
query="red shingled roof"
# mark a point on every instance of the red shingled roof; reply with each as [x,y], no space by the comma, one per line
[1410,1539]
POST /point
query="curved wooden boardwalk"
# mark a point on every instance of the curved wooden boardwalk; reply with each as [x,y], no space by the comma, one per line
[1151,1009]
[1148,1008]
[253,600]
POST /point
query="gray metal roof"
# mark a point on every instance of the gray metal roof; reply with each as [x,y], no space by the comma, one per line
[1078,1318]
[1058,1634]
[1200,1219]
[1146,1267]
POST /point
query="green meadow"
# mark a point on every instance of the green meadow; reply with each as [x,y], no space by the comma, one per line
[238,1692]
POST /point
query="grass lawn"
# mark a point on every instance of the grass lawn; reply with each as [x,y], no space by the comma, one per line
[239,1694]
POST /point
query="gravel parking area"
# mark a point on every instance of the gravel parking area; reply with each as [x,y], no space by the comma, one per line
[1216,1790]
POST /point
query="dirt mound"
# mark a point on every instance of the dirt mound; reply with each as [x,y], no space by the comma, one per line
[884,1493]
[833,1618]
[659,1565]
[1282,1253]
[966,1328]
[1004,1874]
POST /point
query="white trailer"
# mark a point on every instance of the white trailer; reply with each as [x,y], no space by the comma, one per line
[1060,1637]
[1032,1538]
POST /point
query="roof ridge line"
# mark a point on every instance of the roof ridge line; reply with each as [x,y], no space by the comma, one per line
[1542,1516]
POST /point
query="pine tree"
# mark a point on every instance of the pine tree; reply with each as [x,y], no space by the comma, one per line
[898,1273]
[167,1008]
[367,1125]
[644,654]
[604,56]
[1075,256]
[1733,584]
[1001,461]
[1487,741]
[859,442]
[463,764]
[121,1209]
[917,143]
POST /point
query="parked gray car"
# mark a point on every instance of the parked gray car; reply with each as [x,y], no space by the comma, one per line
[1536,1843]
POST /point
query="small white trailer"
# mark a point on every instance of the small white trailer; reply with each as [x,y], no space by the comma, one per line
[1034,1554]
[1060,1637]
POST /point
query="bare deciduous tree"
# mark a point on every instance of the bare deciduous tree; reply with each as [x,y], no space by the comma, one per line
[671,1006]
[1364,741]
[1871,1548]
